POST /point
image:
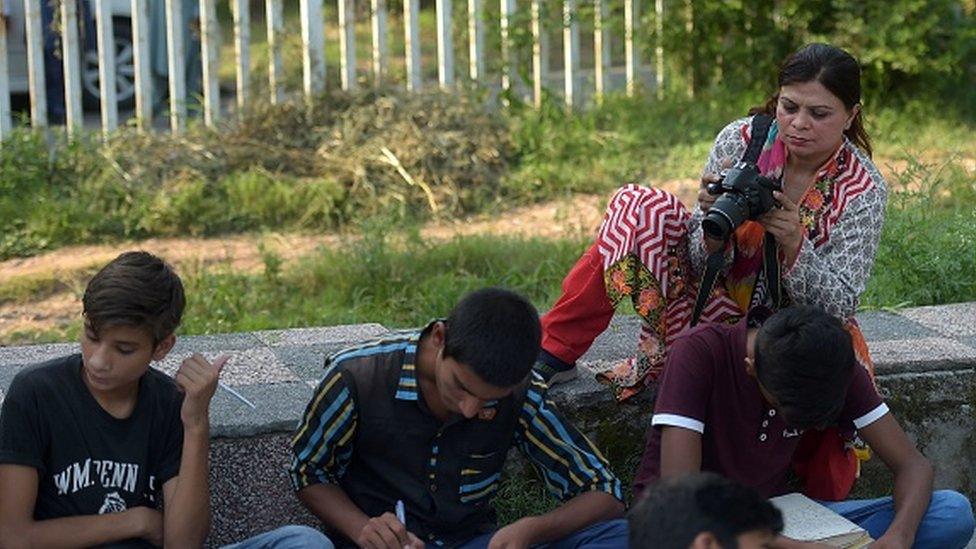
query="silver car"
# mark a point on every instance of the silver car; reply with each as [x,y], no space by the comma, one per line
[121,11]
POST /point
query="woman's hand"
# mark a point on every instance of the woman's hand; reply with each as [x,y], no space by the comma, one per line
[783,222]
[705,198]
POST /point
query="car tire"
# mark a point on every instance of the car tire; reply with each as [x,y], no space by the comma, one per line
[125,70]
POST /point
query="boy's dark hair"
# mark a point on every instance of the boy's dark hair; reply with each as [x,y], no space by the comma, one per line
[135,289]
[675,511]
[805,360]
[496,333]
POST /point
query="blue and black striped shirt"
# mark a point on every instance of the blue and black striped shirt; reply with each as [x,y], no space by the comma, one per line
[367,430]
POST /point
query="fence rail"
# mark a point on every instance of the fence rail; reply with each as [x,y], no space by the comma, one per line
[313,38]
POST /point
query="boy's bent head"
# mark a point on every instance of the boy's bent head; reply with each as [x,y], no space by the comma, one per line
[703,510]
[496,333]
[136,289]
[805,361]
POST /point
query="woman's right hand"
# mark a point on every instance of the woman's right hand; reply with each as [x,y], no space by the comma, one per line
[705,198]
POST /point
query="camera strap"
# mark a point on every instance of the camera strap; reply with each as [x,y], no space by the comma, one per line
[713,264]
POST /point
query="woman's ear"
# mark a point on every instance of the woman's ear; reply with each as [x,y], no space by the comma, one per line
[855,110]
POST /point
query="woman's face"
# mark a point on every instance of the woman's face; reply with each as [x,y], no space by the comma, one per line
[811,120]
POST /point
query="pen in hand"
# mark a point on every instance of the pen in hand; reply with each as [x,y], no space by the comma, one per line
[401,514]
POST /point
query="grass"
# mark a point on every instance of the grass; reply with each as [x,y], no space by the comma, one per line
[397,278]
[392,279]
[291,168]
[927,254]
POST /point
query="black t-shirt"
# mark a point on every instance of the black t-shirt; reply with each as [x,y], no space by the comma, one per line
[89,462]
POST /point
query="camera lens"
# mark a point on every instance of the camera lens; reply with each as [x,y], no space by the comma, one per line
[725,215]
[717,226]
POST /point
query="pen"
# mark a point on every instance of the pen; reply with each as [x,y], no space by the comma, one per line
[400,513]
[237,395]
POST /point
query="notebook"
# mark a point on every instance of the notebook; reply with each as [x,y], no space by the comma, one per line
[807,520]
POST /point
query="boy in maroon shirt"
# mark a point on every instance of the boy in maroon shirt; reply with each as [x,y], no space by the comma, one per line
[734,399]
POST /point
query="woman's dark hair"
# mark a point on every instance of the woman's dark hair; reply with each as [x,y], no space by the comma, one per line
[496,333]
[837,71]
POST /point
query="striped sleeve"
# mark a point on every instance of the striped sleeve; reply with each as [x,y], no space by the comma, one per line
[566,460]
[322,445]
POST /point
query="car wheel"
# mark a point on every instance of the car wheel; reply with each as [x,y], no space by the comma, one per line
[125,70]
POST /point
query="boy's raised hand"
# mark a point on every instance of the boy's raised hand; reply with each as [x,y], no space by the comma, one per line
[197,378]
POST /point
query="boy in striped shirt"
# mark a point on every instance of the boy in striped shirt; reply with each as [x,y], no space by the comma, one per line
[427,418]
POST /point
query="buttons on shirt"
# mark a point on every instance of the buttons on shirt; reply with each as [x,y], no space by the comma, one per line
[765,425]
[433,487]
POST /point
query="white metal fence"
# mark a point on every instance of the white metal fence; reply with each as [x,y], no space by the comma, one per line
[313,53]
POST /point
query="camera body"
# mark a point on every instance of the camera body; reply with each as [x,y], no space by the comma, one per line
[745,195]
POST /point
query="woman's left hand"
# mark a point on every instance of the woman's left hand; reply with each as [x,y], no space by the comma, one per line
[783,222]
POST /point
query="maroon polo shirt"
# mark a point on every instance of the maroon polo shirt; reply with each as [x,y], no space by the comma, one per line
[705,388]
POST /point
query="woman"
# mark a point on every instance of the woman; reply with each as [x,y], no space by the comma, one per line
[826,226]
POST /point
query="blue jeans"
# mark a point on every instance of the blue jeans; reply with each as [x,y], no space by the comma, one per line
[947,524]
[610,534]
[286,537]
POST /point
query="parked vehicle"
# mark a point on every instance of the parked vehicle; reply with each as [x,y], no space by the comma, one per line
[121,12]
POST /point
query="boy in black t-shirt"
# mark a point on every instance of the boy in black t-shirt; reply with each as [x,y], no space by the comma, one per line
[91,444]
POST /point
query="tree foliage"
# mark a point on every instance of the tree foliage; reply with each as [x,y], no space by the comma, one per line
[904,46]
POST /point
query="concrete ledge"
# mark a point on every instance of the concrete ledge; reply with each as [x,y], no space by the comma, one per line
[925,360]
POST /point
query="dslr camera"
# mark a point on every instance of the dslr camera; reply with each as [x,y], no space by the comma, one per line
[745,195]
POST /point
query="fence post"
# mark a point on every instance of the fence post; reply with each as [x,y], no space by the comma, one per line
[507,10]
[570,50]
[347,43]
[601,47]
[379,40]
[630,51]
[177,76]
[537,53]
[313,48]
[275,18]
[411,46]
[140,56]
[6,122]
[35,64]
[210,53]
[445,45]
[476,40]
[106,66]
[659,47]
[71,55]
[242,52]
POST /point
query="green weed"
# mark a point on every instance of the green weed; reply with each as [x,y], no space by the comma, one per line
[927,254]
